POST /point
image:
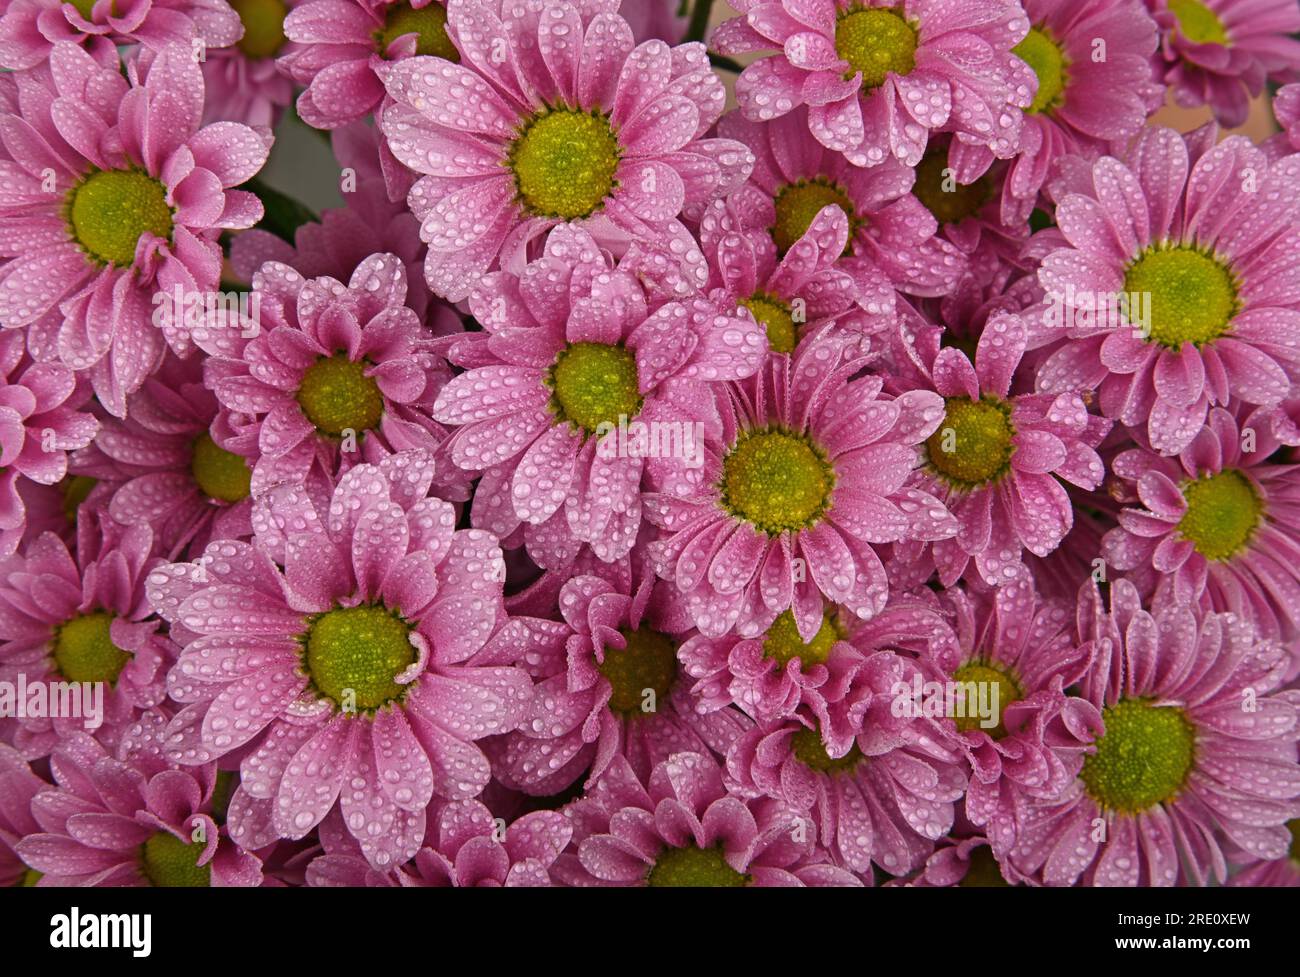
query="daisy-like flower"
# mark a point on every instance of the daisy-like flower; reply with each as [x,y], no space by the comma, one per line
[570,356]
[352,675]
[92,623]
[574,123]
[337,375]
[39,424]
[243,81]
[1197,763]
[467,849]
[117,194]
[608,686]
[1217,523]
[1286,109]
[680,827]
[889,229]
[1178,288]
[997,459]
[960,862]
[807,477]
[1221,52]
[878,76]
[131,822]
[18,785]
[1278,873]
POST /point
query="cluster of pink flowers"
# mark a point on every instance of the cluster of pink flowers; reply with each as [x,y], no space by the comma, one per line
[882,469]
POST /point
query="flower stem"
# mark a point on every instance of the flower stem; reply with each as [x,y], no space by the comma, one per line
[699,20]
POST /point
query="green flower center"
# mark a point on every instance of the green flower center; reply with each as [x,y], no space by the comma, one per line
[172,863]
[797,204]
[1143,759]
[29,879]
[75,490]
[1222,513]
[776,480]
[783,644]
[648,663]
[263,26]
[775,317]
[695,868]
[84,652]
[973,444]
[983,870]
[1045,57]
[949,201]
[1199,23]
[982,673]
[428,24]
[594,384]
[809,750]
[337,396]
[1294,827]
[360,650]
[875,42]
[109,210]
[84,7]
[564,162]
[1193,296]
[220,474]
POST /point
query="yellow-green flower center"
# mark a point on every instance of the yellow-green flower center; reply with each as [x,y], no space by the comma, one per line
[1045,57]
[1198,23]
[782,642]
[775,317]
[983,870]
[220,474]
[337,396]
[263,22]
[1193,296]
[695,868]
[811,752]
[84,7]
[594,384]
[1222,513]
[776,480]
[647,664]
[797,204]
[564,162]
[1294,827]
[982,673]
[1143,759]
[84,652]
[949,201]
[109,210]
[875,42]
[428,24]
[172,863]
[355,654]
[972,447]
[75,490]
[29,879]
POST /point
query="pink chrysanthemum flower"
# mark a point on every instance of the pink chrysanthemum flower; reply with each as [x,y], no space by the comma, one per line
[682,828]
[807,477]
[574,124]
[131,822]
[467,850]
[608,685]
[1178,289]
[572,354]
[117,193]
[1216,523]
[243,81]
[997,459]
[1286,109]
[353,676]
[18,785]
[39,424]
[92,624]
[1221,52]
[878,76]
[1279,873]
[960,862]
[1197,763]
[337,375]
[30,29]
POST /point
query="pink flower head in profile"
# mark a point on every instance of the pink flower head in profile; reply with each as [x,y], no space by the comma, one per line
[243,80]
[572,362]
[131,822]
[998,459]
[1286,109]
[961,862]
[91,624]
[1197,762]
[1178,287]
[1221,52]
[336,375]
[1277,873]
[681,827]
[575,123]
[1215,524]
[116,194]
[348,671]
[807,477]
[879,76]
[18,785]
